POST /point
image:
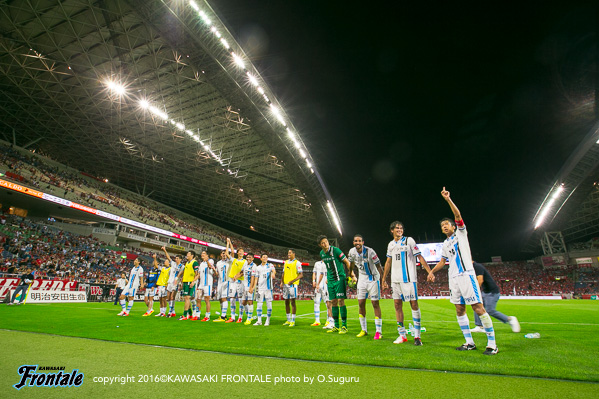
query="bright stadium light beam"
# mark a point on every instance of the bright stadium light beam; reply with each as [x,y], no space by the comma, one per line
[253,79]
[115,87]
[334,217]
[238,60]
[144,104]
[194,5]
[548,205]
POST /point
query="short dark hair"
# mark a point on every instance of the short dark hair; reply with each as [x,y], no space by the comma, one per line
[249,254]
[320,238]
[193,253]
[359,235]
[451,221]
[291,249]
[393,224]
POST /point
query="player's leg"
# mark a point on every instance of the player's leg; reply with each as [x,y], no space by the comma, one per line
[342,295]
[268,307]
[317,299]
[259,308]
[416,319]
[362,296]
[122,302]
[456,297]
[208,306]
[331,321]
[479,309]
[399,317]
[130,302]
[374,299]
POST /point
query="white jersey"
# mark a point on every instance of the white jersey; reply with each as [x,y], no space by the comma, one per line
[366,261]
[264,275]
[320,269]
[174,272]
[222,268]
[135,277]
[247,273]
[456,252]
[206,279]
[403,254]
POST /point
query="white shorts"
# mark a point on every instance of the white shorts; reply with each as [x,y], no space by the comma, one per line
[264,296]
[151,291]
[464,290]
[203,291]
[369,289]
[172,286]
[130,291]
[247,295]
[161,291]
[405,291]
[289,291]
[236,289]
[222,290]
[321,294]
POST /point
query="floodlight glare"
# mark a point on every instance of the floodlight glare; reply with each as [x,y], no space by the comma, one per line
[309,164]
[180,126]
[238,60]
[116,88]
[224,42]
[252,79]
[194,5]
[144,104]
[260,90]
[302,153]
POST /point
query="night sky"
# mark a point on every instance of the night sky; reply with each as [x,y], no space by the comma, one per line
[395,101]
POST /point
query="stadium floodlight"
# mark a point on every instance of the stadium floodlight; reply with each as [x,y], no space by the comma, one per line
[194,5]
[158,112]
[116,88]
[260,90]
[224,42]
[309,164]
[290,133]
[334,216]
[252,79]
[311,170]
[144,104]
[180,126]
[302,153]
[189,132]
[297,144]
[238,60]
[206,147]
[547,205]
[205,18]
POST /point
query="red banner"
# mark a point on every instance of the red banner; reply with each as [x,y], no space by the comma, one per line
[6,284]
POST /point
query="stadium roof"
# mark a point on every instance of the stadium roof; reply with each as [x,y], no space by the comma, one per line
[572,203]
[159,98]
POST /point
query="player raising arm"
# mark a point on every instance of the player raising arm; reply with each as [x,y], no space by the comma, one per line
[462,279]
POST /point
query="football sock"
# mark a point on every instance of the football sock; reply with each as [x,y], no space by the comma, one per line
[207,314]
[363,323]
[289,317]
[123,304]
[293,317]
[465,326]
[343,311]
[232,308]
[171,305]
[378,323]
[317,311]
[488,325]
[251,310]
[416,319]
[268,309]
[336,316]
[259,310]
[401,329]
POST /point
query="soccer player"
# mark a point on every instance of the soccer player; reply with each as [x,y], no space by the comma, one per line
[262,276]
[369,285]
[336,263]
[222,288]
[462,280]
[188,276]
[161,284]
[236,287]
[402,253]
[490,294]
[136,280]
[151,289]
[173,282]
[204,284]
[292,273]
[248,297]
[321,293]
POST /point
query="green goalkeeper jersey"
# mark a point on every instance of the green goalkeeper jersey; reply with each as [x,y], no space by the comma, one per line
[333,259]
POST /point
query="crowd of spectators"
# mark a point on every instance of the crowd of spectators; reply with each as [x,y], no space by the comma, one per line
[29,169]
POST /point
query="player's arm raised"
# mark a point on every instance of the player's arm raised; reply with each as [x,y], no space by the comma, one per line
[454,208]
[167,255]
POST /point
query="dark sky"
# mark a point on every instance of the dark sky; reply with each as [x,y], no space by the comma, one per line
[395,101]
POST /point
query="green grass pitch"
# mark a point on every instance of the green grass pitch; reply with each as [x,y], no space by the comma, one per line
[567,350]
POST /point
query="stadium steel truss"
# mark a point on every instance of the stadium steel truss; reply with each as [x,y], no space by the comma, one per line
[159,98]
